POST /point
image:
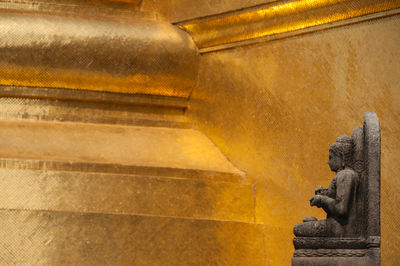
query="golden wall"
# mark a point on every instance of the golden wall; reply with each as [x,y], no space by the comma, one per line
[275,108]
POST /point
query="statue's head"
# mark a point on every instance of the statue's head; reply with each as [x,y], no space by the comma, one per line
[341,153]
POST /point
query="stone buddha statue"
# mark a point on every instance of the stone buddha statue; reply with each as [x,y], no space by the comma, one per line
[350,234]
[339,200]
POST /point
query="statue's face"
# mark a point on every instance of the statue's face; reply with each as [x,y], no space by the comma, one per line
[335,161]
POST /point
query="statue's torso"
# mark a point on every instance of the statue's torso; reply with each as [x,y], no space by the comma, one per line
[343,188]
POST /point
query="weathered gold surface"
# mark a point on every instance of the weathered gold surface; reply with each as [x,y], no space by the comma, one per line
[140,56]
[125,194]
[274,109]
[156,147]
[281,17]
[61,238]
[59,206]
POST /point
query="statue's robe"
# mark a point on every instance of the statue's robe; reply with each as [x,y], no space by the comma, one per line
[342,211]
[340,202]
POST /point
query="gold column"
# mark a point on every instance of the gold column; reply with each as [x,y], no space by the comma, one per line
[96,51]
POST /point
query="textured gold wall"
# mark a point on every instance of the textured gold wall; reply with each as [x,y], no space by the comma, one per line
[275,108]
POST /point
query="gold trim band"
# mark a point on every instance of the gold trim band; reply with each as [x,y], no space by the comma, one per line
[277,20]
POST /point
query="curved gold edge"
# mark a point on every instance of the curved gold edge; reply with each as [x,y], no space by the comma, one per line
[158,85]
[81,54]
[92,96]
[281,20]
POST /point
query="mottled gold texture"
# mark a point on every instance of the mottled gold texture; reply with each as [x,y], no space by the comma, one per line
[62,238]
[273,108]
[125,194]
[91,193]
[139,56]
[278,18]
[112,144]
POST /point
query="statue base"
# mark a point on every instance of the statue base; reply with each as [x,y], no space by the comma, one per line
[331,251]
[329,261]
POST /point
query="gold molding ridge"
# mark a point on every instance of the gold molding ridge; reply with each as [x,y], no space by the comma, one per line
[66,94]
[281,19]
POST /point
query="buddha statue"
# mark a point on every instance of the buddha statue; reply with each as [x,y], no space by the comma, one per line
[351,234]
[339,200]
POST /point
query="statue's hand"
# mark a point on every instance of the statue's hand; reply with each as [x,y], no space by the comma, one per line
[320,190]
[316,201]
